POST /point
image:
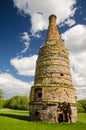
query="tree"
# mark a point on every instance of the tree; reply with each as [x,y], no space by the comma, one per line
[83,103]
[0,93]
[1,104]
[80,109]
[17,102]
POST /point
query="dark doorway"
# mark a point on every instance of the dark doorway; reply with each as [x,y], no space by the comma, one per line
[65,115]
[37,116]
[36,113]
[60,118]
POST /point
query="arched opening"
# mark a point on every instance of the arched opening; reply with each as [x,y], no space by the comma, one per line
[64,112]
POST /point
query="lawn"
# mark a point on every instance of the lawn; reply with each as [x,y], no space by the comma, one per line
[18,120]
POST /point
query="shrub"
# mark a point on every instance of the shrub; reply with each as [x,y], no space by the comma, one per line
[83,104]
[80,109]
[17,102]
[1,103]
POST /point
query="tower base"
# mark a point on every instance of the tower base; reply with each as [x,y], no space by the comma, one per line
[52,113]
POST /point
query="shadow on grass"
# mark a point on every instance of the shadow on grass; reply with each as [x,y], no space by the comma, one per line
[20,117]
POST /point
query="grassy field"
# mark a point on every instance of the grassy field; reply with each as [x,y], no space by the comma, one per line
[18,120]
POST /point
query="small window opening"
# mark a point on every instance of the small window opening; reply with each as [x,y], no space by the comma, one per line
[40,94]
[36,113]
[62,74]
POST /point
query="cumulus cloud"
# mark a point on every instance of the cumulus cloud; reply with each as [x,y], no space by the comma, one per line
[12,86]
[25,66]
[75,41]
[75,38]
[40,11]
[25,38]
[70,22]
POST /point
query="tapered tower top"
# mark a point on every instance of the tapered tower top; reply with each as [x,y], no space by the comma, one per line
[52,33]
[52,17]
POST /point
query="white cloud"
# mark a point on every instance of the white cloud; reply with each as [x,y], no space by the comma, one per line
[75,41]
[75,38]
[70,22]
[25,38]
[12,86]
[25,66]
[39,10]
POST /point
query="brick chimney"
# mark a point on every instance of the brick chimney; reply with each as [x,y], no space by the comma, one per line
[53,96]
[52,33]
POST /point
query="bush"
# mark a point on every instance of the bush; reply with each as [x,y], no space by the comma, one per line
[1,104]
[80,109]
[17,102]
[83,104]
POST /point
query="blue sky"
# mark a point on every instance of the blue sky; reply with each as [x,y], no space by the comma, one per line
[23,27]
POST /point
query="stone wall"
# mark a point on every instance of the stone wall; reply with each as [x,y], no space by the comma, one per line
[45,113]
[55,94]
[53,65]
[49,113]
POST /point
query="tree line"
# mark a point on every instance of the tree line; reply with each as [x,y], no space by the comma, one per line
[81,106]
[22,103]
[16,103]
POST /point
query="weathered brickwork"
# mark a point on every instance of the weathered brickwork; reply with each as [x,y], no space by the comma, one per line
[53,97]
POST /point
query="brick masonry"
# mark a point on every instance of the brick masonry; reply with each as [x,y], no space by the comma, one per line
[53,97]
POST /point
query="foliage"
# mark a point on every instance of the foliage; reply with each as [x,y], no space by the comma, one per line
[1,103]
[18,120]
[17,102]
[81,105]
[0,93]
[80,109]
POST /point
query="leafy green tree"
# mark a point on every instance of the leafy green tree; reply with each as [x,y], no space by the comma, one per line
[1,103]
[83,103]
[0,93]
[17,102]
[80,109]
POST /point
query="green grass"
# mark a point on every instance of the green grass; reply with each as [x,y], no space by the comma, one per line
[18,120]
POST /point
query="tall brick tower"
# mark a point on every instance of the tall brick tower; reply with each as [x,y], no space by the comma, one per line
[53,97]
